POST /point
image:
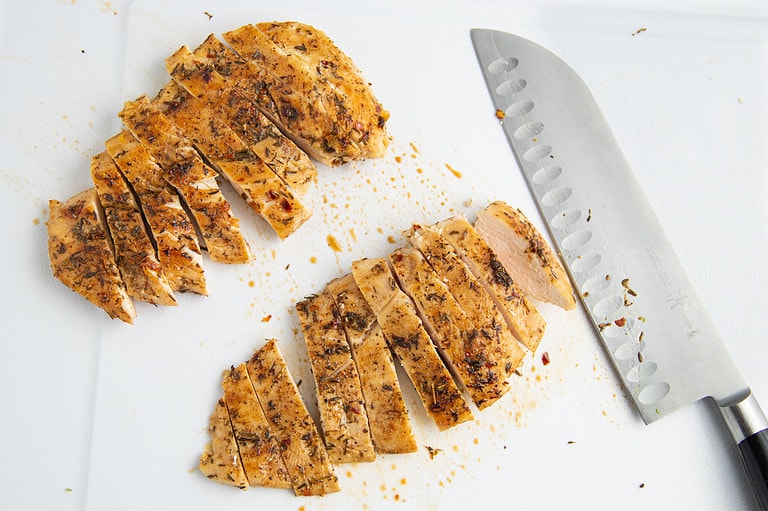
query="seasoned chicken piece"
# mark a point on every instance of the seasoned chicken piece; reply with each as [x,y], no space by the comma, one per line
[256,441]
[409,340]
[352,123]
[200,78]
[293,114]
[81,254]
[221,459]
[195,181]
[261,188]
[387,415]
[501,347]
[455,336]
[523,319]
[525,254]
[338,75]
[306,459]
[134,254]
[173,231]
[337,383]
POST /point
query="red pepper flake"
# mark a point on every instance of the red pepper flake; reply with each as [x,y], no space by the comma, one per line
[266,318]
[621,322]
[545,358]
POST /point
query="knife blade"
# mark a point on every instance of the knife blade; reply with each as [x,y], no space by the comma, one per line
[663,345]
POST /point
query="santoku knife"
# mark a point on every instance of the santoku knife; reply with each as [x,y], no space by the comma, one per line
[662,342]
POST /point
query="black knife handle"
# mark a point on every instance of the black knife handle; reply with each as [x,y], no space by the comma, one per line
[754,451]
[749,428]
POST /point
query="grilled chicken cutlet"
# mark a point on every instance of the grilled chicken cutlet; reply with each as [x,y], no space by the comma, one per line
[198,75]
[293,114]
[305,458]
[337,383]
[221,459]
[195,181]
[339,75]
[454,334]
[135,256]
[259,450]
[387,415]
[347,131]
[178,250]
[409,340]
[81,254]
[523,319]
[525,254]
[501,347]
[254,180]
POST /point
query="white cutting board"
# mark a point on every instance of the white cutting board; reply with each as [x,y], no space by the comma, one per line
[687,100]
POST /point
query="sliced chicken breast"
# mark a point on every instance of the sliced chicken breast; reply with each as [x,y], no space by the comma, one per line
[134,254]
[292,113]
[221,459]
[335,71]
[254,180]
[521,315]
[410,342]
[304,455]
[200,78]
[337,383]
[256,441]
[501,347]
[387,414]
[525,254]
[455,336]
[348,132]
[194,180]
[80,250]
[174,233]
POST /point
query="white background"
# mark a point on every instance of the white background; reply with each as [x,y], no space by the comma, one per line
[95,414]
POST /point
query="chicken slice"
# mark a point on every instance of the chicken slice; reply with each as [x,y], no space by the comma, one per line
[221,459]
[410,342]
[134,254]
[254,180]
[455,336]
[337,383]
[525,254]
[294,115]
[315,51]
[523,319]
[306,459]
[195,181]
[387,415]
[501,346]
[200,78]
[173,231]
[256,441]
[357,127]
[81,254]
